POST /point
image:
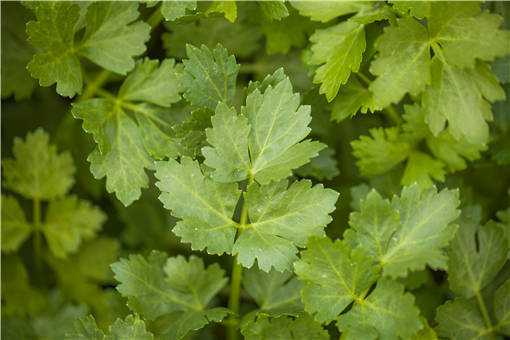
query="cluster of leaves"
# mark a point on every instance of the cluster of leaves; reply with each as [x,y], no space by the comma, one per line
[168,130]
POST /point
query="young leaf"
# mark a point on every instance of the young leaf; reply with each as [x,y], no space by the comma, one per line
[37,171]
[70,221]
[209,76]
[228,8]
[410,233]
[131,128]
[333,277]
[15,228]
[274,10]
[339,59]
[276,123]
[111,40]
[177,288]
[388,312]
[476,255]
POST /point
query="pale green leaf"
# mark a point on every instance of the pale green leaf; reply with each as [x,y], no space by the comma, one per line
[205,207]
[282,219]
[418,9]
[37,170]
[476,255]
[15,227]
[387,312]
[209,76]
[338,51]
[172,10]
[333,277]
[403,62]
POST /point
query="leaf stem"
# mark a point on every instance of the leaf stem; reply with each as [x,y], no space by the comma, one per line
[392,114]
[483,310]
[236,277]
[36,216]
[96,84]
[155,18]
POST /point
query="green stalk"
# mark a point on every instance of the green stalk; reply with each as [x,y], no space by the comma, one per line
[483,310]
[96,84]
[36,215]
[155,18]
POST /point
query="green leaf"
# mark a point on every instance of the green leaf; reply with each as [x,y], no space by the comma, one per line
[70,221]
[172,10]
[408,233]
[454,97]
[274,10]
[37,171]
[15,228]
[380,152]
[459,34]
[264,141]
[284,328]
[502,307]
[422,169]
[326,10]
[460,319]
[403,62]
[351,98]
[282,219]
[18,296]
[418,9]
[152,82]
[476,255]
[228,8]
[112,39]
[209,76]
[322,167]
[132,327]
[275,293]
[82,276]
[132,128]
[205,207]
[338,59]
[333,277]
[16,53]
[157,286]
[388,313]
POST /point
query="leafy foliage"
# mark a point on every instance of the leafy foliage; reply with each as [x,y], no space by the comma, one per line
[259,170]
